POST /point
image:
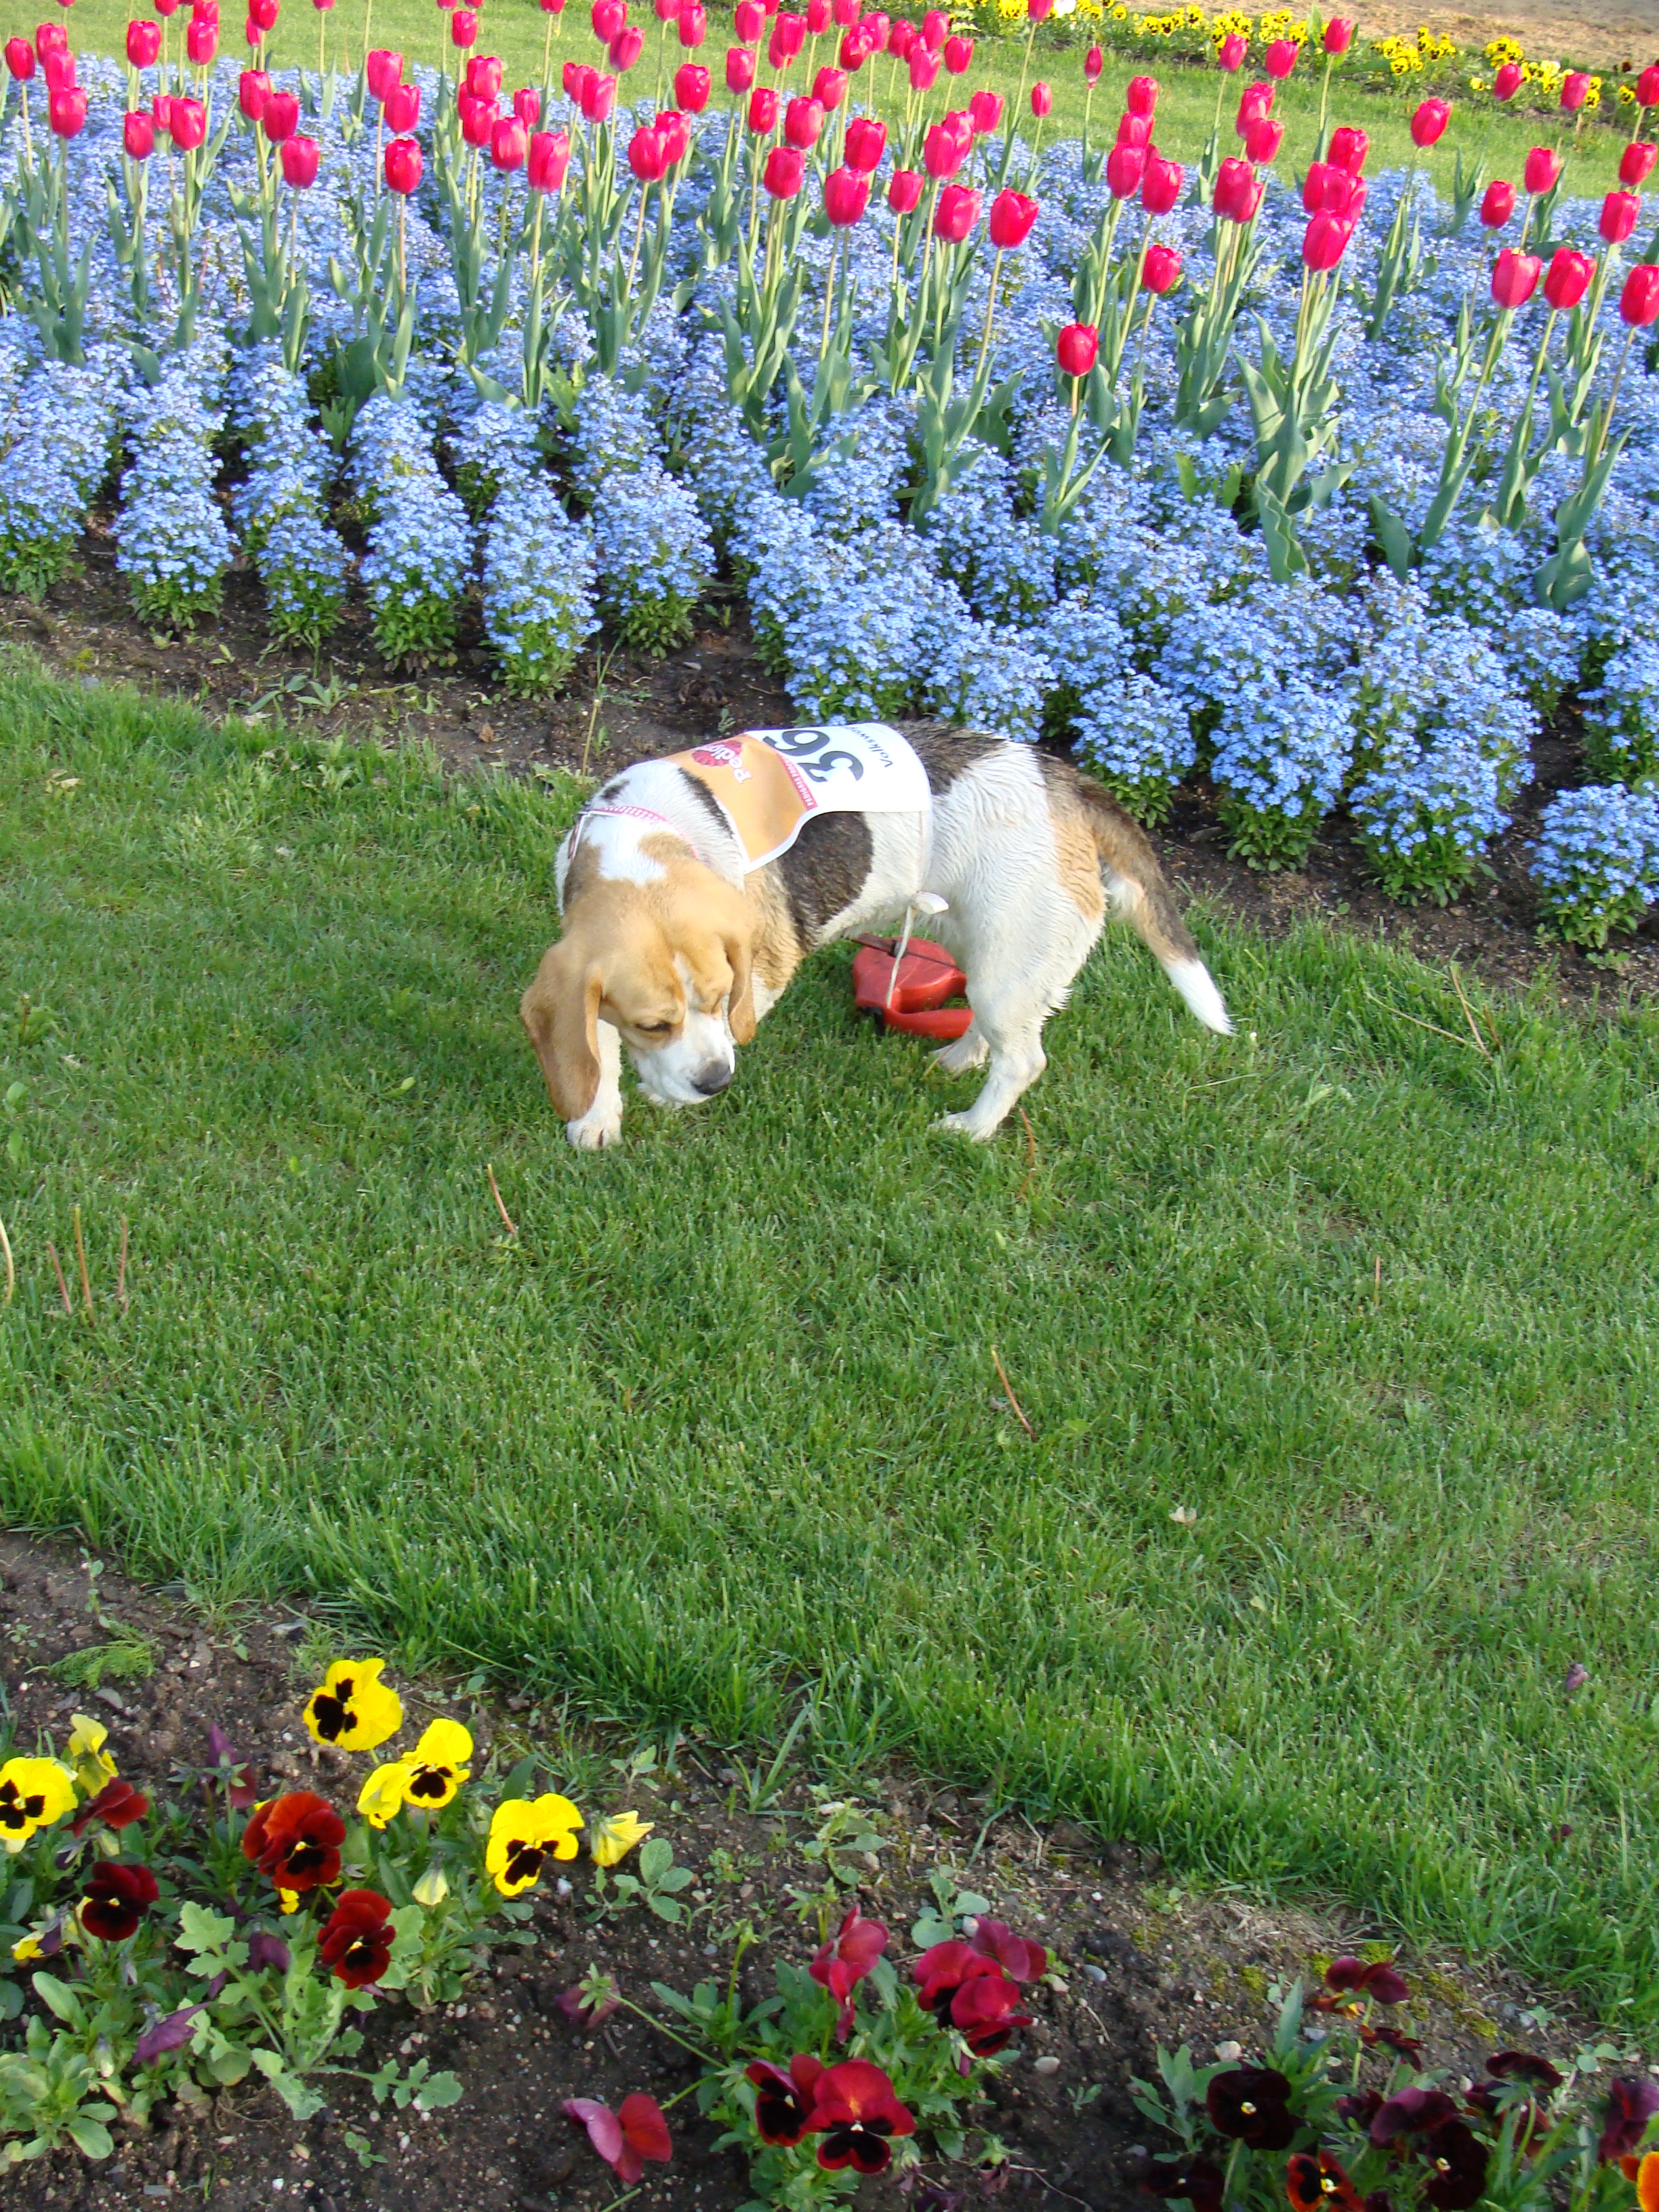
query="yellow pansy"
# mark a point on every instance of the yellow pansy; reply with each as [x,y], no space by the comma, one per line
[34,1793]
[612,1840]
[382,1795]
[288,1899]
[432,1889]
[428,1778]
[354,1710]
[28,1948]
[522,1835]
[85,1752]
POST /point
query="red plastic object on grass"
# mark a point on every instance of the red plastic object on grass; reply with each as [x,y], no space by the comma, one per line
[915,1001]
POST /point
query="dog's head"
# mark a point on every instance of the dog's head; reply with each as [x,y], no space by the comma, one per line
[667,963]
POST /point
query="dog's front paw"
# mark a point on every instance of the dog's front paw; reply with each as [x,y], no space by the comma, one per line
[599,1126]
[968,1051]
[971,1125]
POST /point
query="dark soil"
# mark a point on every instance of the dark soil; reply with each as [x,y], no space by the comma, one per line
[1135,1962]
[632,706]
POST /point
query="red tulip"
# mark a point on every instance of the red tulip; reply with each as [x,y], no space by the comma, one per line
[300,157]
[51,39]
[1543,169]
[880,30]
[1498,206]
[1574,90]
[1349,147]
[1647,87]
[1339,34]
[1254,102]
[817,18]
[548,160]
[959,56]
[58,69]
[941,152]
[1042,100]
[477,119]
[139,134]
[829,88]
[788,37]
[1160,272]
[1125,166]
[252,90]
[381,71]
[924,68]
[551,7]
[1036,9]
[1636,163]
[19,59]
[143,44]
[626,48]
[1507,81]
[1134,131]
[202,11]
[483,77]
[1237,193]
[1638,303]
[666,10]
[692,85]
[1012,215]
[607,17]
[803,121]
[509,142]
[1280,58]
[186,123]
[846,195]
[763,111]
[1233,49]
[903,189]
[845,13]
[464,28]
[672,129]
[262,12]
[1093,63]
[575,77]
[402,108]
[403,164]
[957,214]
[1620,212]
[693,27]
[866,143]
[986,110]
[1160,186]
[1141,97]
[1515,278]
[162,108]
[281,118]
[1325,241]
[935,29]
[853,52]
[1429,123]
[739,69]
[784,168]
[1263,140]
[598,97]
[1567,278]
[748,20]
[202,42]
[1077,348]
[67,112]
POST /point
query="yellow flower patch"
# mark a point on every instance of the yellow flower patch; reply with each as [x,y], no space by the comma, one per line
[354,1710]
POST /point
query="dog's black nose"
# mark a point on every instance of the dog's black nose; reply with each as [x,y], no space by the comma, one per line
[711,1080]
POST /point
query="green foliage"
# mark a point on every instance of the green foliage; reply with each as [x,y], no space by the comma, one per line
[656,1883]
[130,1658]
[1268,837]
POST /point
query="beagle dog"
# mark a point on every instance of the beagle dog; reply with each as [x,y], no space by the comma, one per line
[675,942]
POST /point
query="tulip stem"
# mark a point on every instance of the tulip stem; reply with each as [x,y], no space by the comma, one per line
[990,318]
[634,259]
[828,297]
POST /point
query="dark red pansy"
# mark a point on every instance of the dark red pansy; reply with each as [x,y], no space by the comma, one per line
[295,1839]
[117,1899]
[1631,2105]
[1362,2106]
[355,1943]
[118,1805]
[1313,2178]
[986,2012]
[1251,2104]
[1382,1980]
[1410,2113]
[858,2115]
[1457,2164]
[941,1972]
[783,2101]
[1016,1954]
[1524,2066]
[1193,2178]
[1396,2038]
[840,1965]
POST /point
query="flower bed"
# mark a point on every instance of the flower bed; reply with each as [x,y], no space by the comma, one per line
[1325,492]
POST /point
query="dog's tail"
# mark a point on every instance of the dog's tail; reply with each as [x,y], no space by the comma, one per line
[1140,894]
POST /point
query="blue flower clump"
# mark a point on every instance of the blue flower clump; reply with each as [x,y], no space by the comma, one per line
[54,433]
[420,542]
[173,545]
[1621,713]
[654,551]
[280,506]
[1283,749]
[1597,861]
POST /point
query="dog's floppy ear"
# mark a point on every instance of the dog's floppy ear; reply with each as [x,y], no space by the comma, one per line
[561,1010]
[739,943]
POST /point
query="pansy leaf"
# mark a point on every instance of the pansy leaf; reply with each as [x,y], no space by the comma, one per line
[443,2090]
[58,1997]
[91,2137]
[656,1856]
[665,1909]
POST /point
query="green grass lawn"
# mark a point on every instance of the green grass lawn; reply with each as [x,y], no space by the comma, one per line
[516,30]
[722,1428]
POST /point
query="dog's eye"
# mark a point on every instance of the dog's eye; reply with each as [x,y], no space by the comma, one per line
[654,1029]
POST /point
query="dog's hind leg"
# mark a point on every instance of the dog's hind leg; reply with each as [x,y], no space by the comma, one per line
[1019,972]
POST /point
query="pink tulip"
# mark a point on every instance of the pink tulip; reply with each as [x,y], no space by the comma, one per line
[462,34]
[1647,87]
[1233,49]
[402,165]
[252,90]
[1264,140]
[1125,166]
[829,88]
[599,98]
[817,18]
[1011,219]
[143,44]
[1543,167]
[1042,100]
[574,77]
[803,121]
[1498,206]
[607,17]
[402,107]
[784,168]
[483,77]
[941,152]
[281,118]
[1339,34]
[1429,123]
[1254,102]
[548,161]
[1078,348]
[626,48]
[1507,81]
[1160,186]
[1237,193]
[957,214]
[959,56]
[138,135]
[1620,212]
[923,67]
[693,28]
[648,154]
[739,69]
[846,195]
[986,110]
[1567,278]
[692,85]
[867,141]
[1325,241]
[1161,269]
[300,157]
[1574,90]
[527,106]
[1636,163]
[381,71]
[19,59]
[935,29]
[477,119]
[1093,63]
[1141,97]
[904,189]
[186,123]
[1349,147]
[763,111]
[749,20]
[1280,58]
[202,42]
[1638,303]
[1515,278]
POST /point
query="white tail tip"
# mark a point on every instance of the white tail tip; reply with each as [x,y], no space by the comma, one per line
[1197,987]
